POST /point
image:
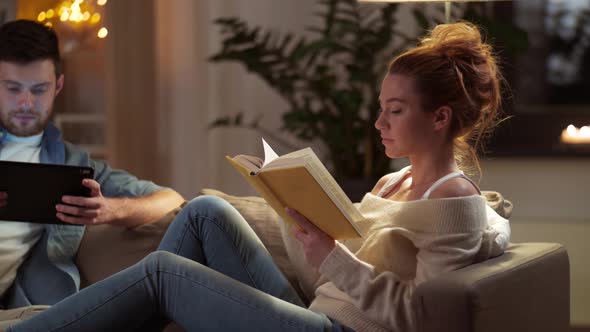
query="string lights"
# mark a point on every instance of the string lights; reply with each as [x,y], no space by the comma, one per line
[80,14]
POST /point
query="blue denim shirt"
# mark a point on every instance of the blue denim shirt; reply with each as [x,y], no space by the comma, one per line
[49,274]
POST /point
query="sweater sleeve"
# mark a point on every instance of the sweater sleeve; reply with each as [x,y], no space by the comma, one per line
[496,236]
[501,227]
[383,295]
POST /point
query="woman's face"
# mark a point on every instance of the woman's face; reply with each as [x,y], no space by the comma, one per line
[405,128]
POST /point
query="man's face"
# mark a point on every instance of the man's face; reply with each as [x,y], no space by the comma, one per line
[27,93]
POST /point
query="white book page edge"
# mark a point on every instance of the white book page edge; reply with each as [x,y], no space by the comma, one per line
[269,153]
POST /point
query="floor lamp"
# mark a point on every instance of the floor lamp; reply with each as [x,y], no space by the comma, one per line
[447,4]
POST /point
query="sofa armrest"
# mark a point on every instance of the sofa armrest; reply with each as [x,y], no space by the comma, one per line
[525,289]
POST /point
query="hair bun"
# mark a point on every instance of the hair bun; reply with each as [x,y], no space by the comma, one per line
[458,40]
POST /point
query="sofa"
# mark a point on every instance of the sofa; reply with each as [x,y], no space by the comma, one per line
[525,289]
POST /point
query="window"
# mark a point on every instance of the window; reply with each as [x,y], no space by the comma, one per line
[550,80]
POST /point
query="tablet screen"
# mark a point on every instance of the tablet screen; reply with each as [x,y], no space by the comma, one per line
[34,189]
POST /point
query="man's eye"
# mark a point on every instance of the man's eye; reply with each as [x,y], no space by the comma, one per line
[13,89]
[38,92]
[395,111]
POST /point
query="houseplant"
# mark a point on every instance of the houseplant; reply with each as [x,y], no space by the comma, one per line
[331,82]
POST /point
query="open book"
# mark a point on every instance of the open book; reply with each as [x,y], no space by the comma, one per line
[300,181]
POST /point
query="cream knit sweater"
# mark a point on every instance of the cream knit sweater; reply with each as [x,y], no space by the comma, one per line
[367,284]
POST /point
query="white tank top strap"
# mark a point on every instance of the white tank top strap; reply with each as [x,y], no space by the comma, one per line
[458,174]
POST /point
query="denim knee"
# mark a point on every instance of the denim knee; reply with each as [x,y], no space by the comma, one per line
[159,260]
[206,205]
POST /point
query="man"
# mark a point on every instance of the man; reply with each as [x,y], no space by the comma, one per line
[36,260]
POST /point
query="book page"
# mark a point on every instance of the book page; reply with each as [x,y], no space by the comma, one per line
[295,158]
[253,164]
[269,153]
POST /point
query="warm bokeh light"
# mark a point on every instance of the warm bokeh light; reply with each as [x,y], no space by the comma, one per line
[572,130]
[573,135]
[72,12]
[76,15]
[95,18]
[103,32]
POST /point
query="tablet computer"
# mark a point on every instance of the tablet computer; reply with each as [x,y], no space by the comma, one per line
[34,189]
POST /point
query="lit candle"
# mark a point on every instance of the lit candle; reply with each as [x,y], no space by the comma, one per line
[573,135]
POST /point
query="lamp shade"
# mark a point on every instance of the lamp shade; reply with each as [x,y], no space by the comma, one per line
[446,2]
[429,0]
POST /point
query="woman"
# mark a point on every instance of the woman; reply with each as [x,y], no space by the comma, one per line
[437,101]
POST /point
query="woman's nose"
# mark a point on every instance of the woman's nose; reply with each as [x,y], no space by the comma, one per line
[380,122]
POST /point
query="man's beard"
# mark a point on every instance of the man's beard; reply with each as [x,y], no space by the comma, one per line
[17,128]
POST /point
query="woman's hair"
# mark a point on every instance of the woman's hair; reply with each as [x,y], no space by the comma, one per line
[453,67]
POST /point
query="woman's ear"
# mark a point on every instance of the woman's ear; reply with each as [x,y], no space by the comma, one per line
[442,117]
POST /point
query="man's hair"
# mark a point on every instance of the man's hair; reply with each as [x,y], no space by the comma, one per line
[24,41]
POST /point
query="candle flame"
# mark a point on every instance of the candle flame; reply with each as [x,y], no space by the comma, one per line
[574,135]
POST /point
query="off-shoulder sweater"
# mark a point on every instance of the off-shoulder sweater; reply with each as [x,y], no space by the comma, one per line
[367,283]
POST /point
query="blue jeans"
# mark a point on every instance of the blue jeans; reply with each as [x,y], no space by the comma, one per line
[211,272]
